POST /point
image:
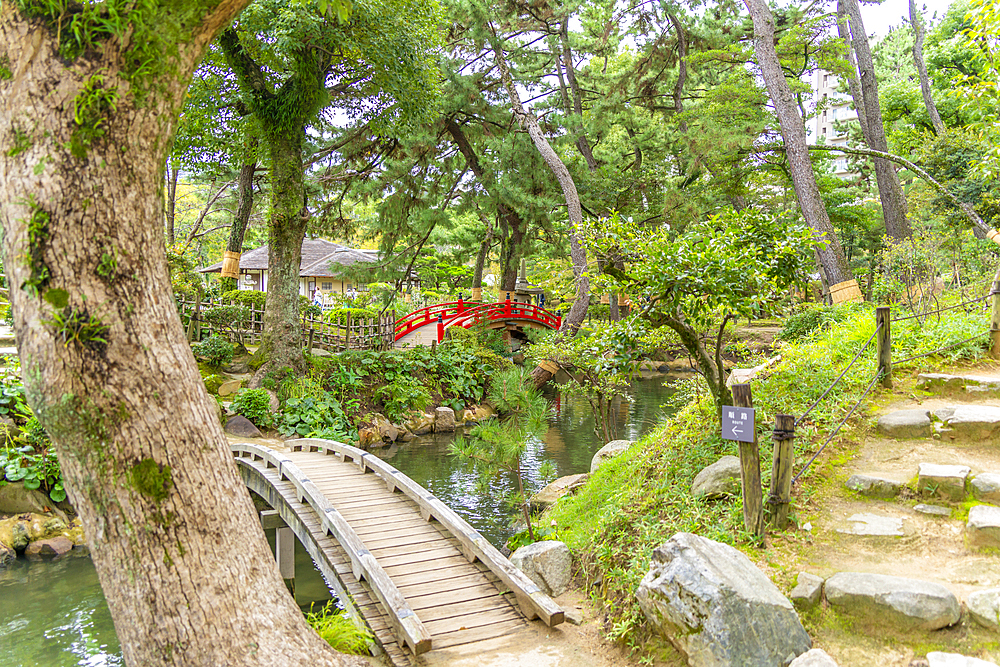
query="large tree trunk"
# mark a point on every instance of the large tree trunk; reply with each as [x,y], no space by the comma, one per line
[174,537]
[281,344]
[917,22]
[890,192]
[244,208]
[831,255]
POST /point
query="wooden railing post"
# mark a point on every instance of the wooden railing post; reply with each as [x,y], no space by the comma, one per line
[995,320]
[312,332]
[781,469]
[883,320]
[753,494]
[347,334]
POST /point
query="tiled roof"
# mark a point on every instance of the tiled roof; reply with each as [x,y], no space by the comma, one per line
[317,256]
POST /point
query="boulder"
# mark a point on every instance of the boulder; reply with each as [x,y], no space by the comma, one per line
[18,531]
[444,420]
[986,487]
[51,548]
[717,608]
[971,422]
[237,367]
[943,481]
[7,555]
[815,657]
[241,427]
[16,499]
[230,387]
[984,608]
[718,480]
[368,437]
[807,592]
[419,423]
[903,424]
[939,659]
[477,414]
[609,451]
[547,563]
[273,404]
[983,528]
[556,490]
[385,428]
[905,604]
[932,381]
[873,487]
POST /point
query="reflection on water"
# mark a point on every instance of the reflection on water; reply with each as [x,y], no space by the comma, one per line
[569,443]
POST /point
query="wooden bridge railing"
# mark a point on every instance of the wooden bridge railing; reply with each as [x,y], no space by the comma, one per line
[408,628]
[533,602]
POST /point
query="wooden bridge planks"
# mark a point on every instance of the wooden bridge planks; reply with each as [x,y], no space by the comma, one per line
[458,601]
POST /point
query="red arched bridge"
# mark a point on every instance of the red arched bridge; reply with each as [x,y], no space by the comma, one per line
[424,326]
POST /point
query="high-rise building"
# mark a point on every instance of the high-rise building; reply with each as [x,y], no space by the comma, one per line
[834,106]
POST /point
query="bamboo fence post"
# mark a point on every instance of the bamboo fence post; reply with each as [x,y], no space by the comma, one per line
[883,319]
[753,494]
[347,334]
[197,316]
[781,469]
[995,321]
[312,332]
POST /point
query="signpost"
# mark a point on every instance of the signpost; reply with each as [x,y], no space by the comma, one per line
[738,424]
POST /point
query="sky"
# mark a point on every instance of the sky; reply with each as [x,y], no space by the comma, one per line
[879,18]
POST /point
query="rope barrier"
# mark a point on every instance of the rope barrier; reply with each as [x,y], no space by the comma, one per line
[941,310]
[841,377]
[837,430]
[940,349]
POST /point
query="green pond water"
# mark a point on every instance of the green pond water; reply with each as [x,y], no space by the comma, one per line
[53,613]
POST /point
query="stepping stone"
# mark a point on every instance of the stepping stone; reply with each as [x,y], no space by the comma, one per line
[939,659]
[969,383]
[873,487]
[814,657]
[904,424]
[984,608]
[874,525]
[807,592]
[986,487]
[971,422]
[945,481]
[904,604]
[983,527]
[933,510]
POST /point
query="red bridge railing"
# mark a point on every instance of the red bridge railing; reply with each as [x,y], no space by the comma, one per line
[465,314]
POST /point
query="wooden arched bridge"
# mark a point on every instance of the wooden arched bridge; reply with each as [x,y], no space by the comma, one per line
[419,576]
[427,325]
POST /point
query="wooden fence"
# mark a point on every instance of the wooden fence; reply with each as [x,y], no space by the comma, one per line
[345,332]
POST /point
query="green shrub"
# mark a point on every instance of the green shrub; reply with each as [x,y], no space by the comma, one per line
[216,351]
[340,314]
[316,417]
[255,405]
[815,317]
[244,297]
[36,470]
[402,396]
[338,630]
[213,382]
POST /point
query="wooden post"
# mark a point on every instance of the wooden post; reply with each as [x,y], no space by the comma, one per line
[883,320]
[753,494]
[312,332]
[995,321]
[347,335]
[781,469]
[197,316]
[284,553]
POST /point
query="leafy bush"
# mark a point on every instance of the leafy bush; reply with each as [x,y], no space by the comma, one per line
[13,402]
[213,382]
[311,417]
[340,314]
[232,318]
[216,351]
[245,297]
[815,317]
[37,471]
[255,405]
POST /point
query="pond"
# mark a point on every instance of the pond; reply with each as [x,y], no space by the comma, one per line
[61,618]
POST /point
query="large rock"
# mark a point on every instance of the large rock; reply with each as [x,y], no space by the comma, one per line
[717,608]
[230,387]
[971,422]
[556,490]
[807,592]
[873,487]
[943,481]
[419,423]
[983,527]
[547,563]
[903,424]
[986,487]
[939,659]
[609,451]
[7,555]
[444,420]
[906,604]
[51,548]
[241,427]
[718,480]
[477,414]
[386,429]
[984,608]
[16,499]
[815,657]
[18,531]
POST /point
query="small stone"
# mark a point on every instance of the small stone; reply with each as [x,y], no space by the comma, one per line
[986,487]
[904,424]
[933,510]
[983,527]
[873,487]
[907,604]
[807,592]
[815,657]
[241,427]
[444,420]
[556,490]
[230,387]
[51,548]
[718,480]
[7,555]
[873,525]
[609,451]
[573,616]
[943,481]
[984,608]
[547,563]
[939,659]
